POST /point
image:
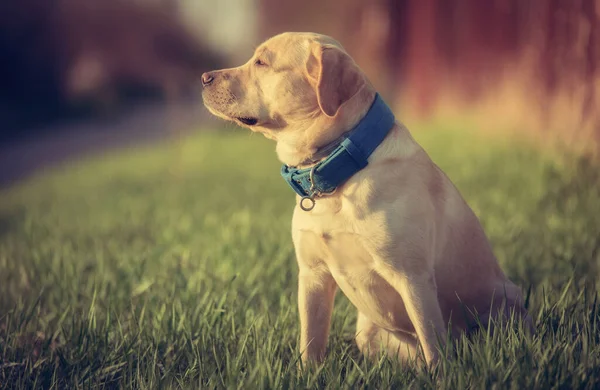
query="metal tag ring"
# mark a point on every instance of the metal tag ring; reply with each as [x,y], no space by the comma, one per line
[310,206]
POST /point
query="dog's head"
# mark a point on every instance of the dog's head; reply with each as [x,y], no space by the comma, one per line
[301,89]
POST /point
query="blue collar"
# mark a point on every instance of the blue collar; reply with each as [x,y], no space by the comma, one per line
[348,158]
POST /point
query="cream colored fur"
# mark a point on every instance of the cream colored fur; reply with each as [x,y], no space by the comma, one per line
[397,238]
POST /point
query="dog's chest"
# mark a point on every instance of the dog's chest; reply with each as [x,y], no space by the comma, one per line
[355,272]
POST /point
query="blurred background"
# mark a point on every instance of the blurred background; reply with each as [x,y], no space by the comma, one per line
[81,77]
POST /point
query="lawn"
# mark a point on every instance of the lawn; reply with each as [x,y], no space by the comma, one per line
[172,266]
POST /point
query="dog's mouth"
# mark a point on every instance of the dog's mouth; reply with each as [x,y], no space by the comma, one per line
[247,120]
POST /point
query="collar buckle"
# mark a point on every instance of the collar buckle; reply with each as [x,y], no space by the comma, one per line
[313,192]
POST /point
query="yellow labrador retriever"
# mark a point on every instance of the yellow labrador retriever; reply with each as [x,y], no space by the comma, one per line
[374,215]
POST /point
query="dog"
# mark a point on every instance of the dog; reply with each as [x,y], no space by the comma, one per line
[374,216]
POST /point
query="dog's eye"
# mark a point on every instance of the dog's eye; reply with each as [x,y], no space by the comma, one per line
[259,62]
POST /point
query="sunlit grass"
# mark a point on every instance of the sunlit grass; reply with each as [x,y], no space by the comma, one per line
[173,266]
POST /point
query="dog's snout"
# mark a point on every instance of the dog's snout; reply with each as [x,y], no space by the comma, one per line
[207,79]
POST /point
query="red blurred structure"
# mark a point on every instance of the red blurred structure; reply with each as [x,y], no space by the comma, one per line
[425,48]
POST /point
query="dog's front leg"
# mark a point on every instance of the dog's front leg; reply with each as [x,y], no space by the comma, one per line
[419,294]
[316,292]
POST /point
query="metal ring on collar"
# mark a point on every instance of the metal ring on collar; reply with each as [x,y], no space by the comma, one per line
[308,207]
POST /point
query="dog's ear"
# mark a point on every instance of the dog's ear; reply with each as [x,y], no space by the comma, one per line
[334,75]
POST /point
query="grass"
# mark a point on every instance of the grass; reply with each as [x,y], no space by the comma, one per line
[172,266]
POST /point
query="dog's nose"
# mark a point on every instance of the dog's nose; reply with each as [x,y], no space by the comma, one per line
[207,79]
